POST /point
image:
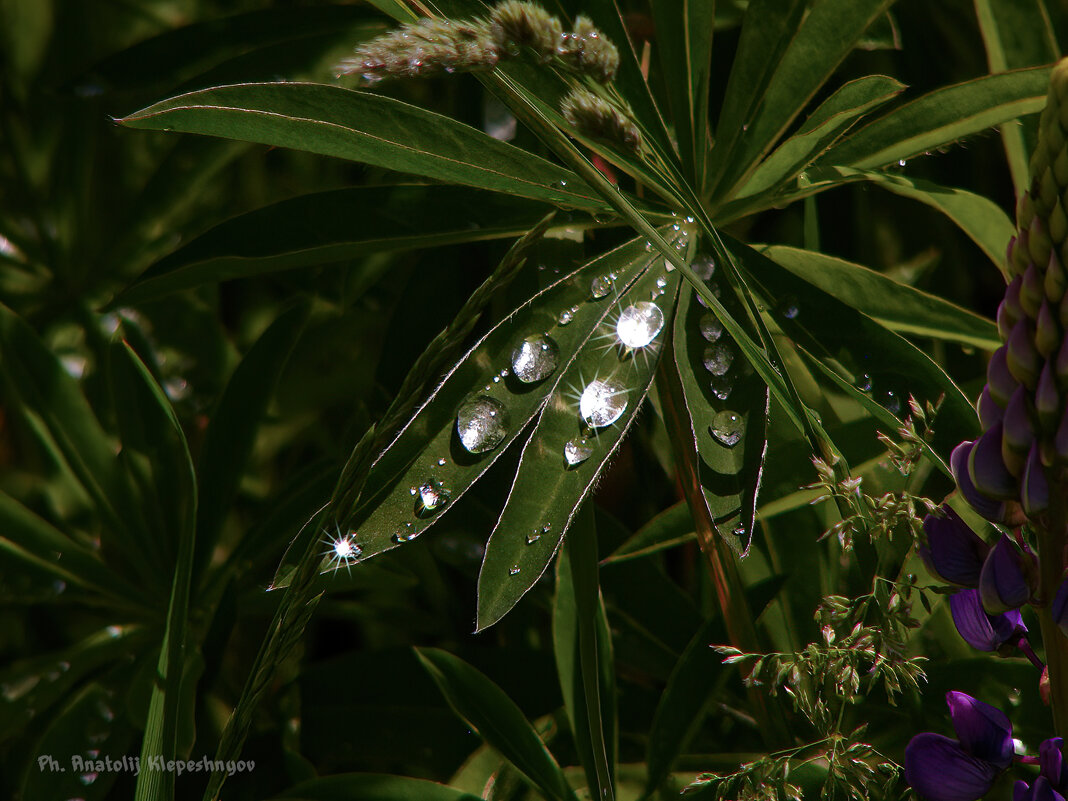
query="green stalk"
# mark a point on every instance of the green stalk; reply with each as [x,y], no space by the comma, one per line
[1052,539]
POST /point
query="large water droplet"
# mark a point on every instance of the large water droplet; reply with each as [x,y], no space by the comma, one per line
[728,427]
[721,386]
[639,324]
[433,495]
[603,401]
[577,451]
[704,266]
[718,358]
[710,327]
[601,286]
[535,358]
[482,424]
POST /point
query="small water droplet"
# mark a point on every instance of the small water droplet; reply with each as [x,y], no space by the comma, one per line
[546,528]
[565,317]
[601,286]
[721,387]
[689,220]
[727,427]
[577,451]
[413,491]
[661,282]
[346,548]
[864,383]
[433,495]
[718,358]
[901,162]
[482,424]
[710,327]
[603,402]
[639,324]
[648,247]
[533,536]
[535,358]
[442,463]
[88,778]
[513,570]
[788,308]
[739,532]
[561,184]
[496,379]
[891,402]
[676,227]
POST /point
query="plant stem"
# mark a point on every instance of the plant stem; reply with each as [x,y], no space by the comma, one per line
[1051,541]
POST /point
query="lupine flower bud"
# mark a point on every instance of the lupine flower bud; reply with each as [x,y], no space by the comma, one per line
[1053,781]
[953,553]
[1008,578]
[1013,469]
[942,769]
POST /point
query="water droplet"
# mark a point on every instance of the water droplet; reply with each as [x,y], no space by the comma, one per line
[577,451]
[676,227]
[513,570]
[496,379]
[482,424]
[535,358]
[710,327]
[864,383]
[689,220]
[788,308]
[561,184]
[718,358]
[603,402]
[721,387]
[413,491]
[661,282]
[705,267]
[546,528]
[648,247]
[433,495]
[639,324]
[601,286]
[565,317]
[442,463]
[534,536]
[346,548]
[901,162]
[739,532]
[88,778]
[891,402]
[728,427]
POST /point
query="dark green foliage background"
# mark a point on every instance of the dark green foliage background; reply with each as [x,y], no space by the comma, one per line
[275,373]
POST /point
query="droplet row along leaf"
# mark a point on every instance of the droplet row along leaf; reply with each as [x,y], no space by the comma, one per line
[484,403]
[601,390]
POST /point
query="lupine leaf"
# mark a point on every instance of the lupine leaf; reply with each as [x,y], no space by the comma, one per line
[547,492]
[899,307]
[333,226]
[496,718]
[361,126]
[942,117]
[674,526]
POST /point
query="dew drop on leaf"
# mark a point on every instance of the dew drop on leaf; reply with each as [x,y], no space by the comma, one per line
[603,402]
[565,317]
[789,308]
[718,358]
[534,536]
[577,451]
[601,286]
[710,327]
[639,324]
[482,424]
[513,570]
[721,386]
[727,427]
[705,267]
[864,383]
[433,495]
[535,358]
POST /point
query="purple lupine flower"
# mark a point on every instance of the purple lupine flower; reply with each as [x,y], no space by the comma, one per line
[943,769]
[953,553]
[981,630]
[1052,783]
[1009,577]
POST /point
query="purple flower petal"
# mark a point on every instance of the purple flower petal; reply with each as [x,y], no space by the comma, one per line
[980,630]
[953,552]
[986,467]
[1051,758]
[958,462]
[1005,581]
[1021,355]
[989,411]
[984,731]
[1034,488]
[1017,432]
[1041,790]
[939,770]
[998,378]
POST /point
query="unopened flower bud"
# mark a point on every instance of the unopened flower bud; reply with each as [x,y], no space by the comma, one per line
[987,469]
[1021,355]
[1032,291]
[999,379]
[988,409]
[1047,401]
[1008,578]
[1047,330]
[1034,488]
[1055,281]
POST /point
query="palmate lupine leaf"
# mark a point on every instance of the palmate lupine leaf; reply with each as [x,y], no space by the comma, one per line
[426,469]
[333,226]
[360,126]
[900,307]
[549,485]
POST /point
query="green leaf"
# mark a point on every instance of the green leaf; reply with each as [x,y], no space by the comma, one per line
[333,226]
[683,704]
[547,492]
[233,424]
[684,48]
[1016,33]
[827,34]
[899,307]
[823,127]
[582,645]
[360,126]
[872,364]
[428,452]
[728,400]
[371,787]
[673,526]
[941,117]
[498,721]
